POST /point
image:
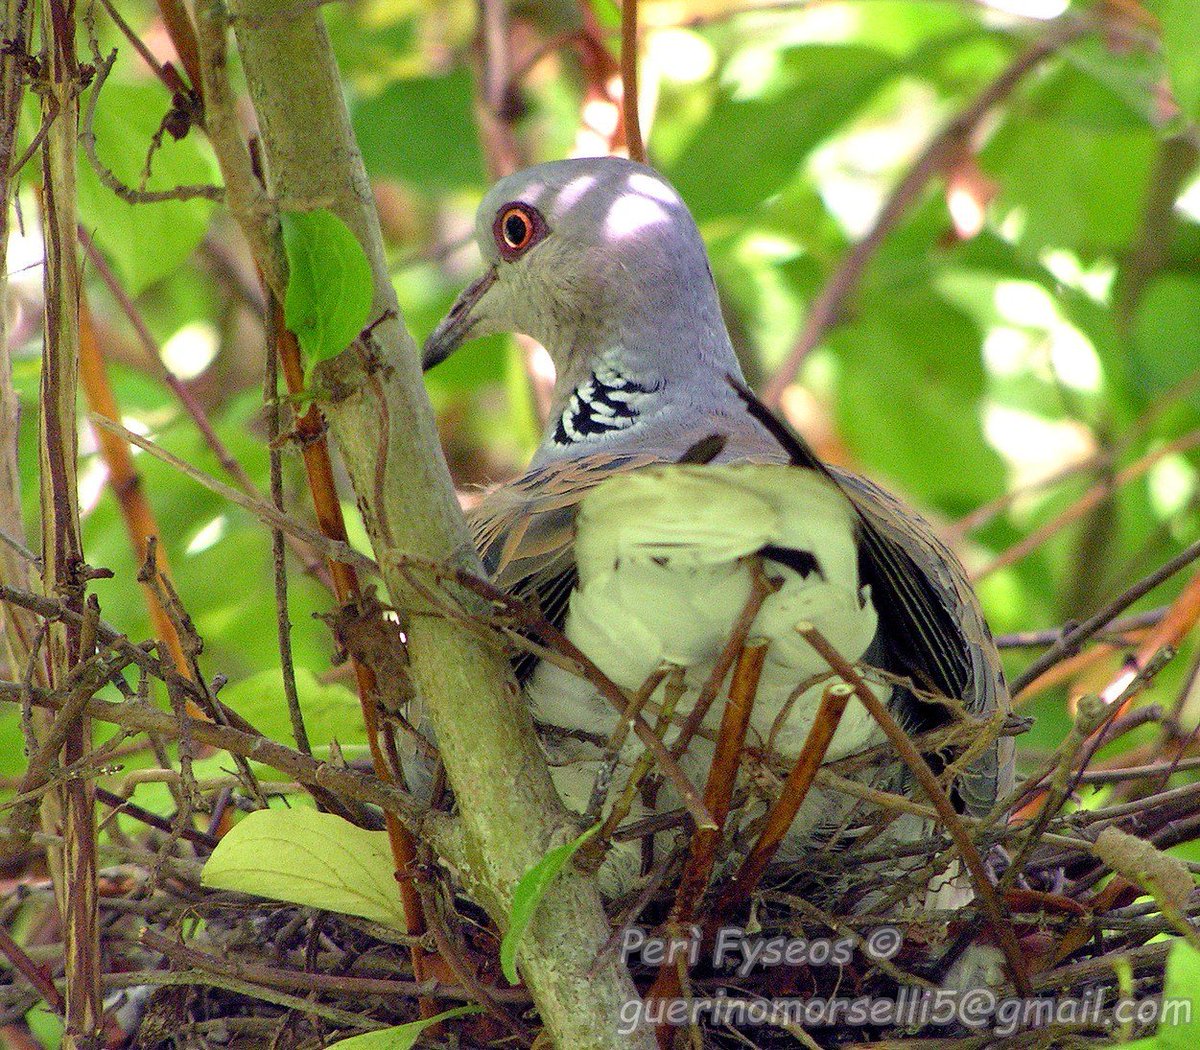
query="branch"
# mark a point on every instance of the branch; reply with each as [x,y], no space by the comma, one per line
[950,819]
[629,81]
[383,426]
[826,309]
[72,805]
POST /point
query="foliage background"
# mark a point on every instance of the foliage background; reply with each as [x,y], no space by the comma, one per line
[1026,340]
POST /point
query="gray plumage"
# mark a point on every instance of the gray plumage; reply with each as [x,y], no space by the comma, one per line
[611,276]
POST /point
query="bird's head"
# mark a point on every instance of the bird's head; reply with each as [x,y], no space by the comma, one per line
[586,256]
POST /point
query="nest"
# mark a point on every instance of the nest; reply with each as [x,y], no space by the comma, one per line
[816,952]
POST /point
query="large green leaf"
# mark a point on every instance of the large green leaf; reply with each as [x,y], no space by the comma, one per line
[422,129]
[1166,334]
[309,858]
[144,241]
[1078,187]
[748,148]
[909,397]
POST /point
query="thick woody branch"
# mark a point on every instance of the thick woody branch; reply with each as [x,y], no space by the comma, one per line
[383,426]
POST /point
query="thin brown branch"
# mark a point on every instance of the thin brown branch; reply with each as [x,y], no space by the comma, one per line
[178,22]
[87,138]
[144,717]
[950,818]
[791,797]
[32,972]
[718,796]
[312,563]
[166,73]
[124,480]
[826,310]
[264,511]
[1071,641]
[629,81]
[64,575]
[309,432]
[1099,493]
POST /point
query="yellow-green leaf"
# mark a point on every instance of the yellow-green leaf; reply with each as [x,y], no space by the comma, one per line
[309,858]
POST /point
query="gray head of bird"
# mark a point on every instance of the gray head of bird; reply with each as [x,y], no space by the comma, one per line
[594,257]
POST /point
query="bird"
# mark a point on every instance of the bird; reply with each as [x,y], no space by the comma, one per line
[660,486]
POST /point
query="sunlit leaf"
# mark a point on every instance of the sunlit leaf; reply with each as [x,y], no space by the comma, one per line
[1180,33]
[145,242]
[309,858]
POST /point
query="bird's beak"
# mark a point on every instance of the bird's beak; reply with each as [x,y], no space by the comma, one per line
[456,326]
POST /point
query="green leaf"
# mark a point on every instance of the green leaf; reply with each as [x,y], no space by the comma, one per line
[824,88]
[309,858]
[434,118]
[330,285]
[1180,31]
[402,1036]
[1080,187]
[528,895]
[144,242]
[329,710]
[909,397]
[1166,335]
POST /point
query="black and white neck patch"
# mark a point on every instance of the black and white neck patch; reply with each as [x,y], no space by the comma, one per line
[603,403]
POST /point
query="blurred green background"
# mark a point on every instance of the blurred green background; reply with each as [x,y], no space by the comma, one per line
[1026,338]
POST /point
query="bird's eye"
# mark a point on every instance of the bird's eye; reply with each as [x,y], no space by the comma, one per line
[517,226]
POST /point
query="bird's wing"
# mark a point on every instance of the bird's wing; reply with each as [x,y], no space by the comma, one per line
[930,620]
[525,532]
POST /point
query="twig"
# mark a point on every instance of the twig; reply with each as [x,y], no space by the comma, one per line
[1095,496]
[718,794]
[310,433]
[827,307]
[283,624]
[143,717]
[629,81]
[166,73]
[606,686]
[74,868]
[308,558]
[722,776]
[1074,638]
[32,972]
[1117,630]
[87,138]
[179,28]
[333,549]
[783,810]
[123,478]
[933,791]
[762,587]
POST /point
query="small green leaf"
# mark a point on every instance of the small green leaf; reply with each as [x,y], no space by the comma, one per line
[402,1036]
[1181,1003]
[309,858]
[330,285]
[1180,31]
[528,895]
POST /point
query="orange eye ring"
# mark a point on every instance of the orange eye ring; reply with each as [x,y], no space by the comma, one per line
[517,227]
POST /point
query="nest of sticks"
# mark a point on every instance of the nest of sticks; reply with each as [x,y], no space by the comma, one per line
[1078,903]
